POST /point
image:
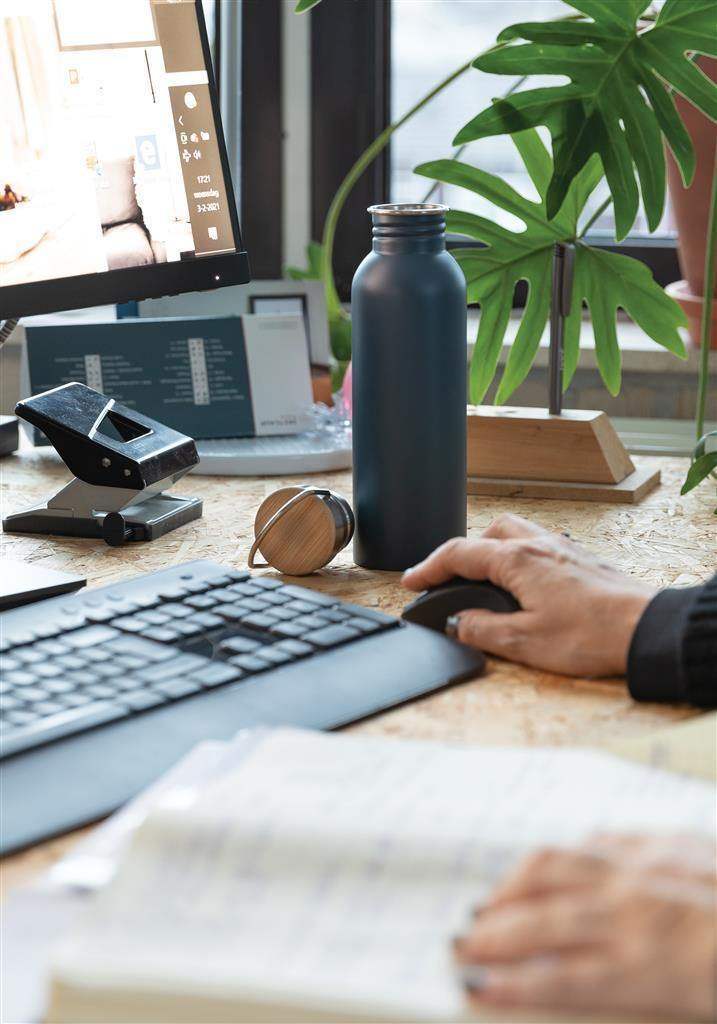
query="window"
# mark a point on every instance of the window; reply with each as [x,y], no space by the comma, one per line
[431,38]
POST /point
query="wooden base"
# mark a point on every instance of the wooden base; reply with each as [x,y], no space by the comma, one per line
[629,491]
[529,453]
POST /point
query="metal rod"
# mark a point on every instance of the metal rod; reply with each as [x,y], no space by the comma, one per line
[557,329]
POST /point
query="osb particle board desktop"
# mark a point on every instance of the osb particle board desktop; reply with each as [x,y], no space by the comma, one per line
[667,539]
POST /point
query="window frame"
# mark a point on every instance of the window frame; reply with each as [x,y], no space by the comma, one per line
[364,95]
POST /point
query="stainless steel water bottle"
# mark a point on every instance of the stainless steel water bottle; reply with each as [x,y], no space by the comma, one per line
[408,311]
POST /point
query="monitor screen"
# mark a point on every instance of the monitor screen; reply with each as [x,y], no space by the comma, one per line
[112,160]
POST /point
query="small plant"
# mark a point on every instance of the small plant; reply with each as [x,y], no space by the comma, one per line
[611,120]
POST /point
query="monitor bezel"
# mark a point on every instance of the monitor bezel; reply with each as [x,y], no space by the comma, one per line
[147,282]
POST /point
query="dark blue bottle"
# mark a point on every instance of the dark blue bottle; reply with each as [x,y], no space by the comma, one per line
[408,311]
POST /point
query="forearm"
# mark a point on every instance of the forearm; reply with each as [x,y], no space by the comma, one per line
[673,655]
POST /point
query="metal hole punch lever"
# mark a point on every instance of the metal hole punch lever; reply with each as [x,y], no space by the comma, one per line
[122,461]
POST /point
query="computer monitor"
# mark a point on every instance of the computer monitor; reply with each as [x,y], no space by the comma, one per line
[114,181]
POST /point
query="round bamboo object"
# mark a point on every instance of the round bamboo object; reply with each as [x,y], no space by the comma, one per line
[301,541]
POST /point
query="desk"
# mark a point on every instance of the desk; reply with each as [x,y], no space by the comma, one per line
[666,540]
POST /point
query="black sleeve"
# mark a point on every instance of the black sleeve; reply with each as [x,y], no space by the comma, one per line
[673,654]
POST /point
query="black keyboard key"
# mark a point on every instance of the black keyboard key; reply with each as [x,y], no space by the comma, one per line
[201,601]
[188,628]
[259,621]
[284,614]
[101,614]
[129,624]
[138,647]
[216,674]
[30,655]
[335,614]
[176,611]
[55,686]
[250,663]
[154,618]
[20,678]
[242,589]
[304,594]
[223,594]
[311,622]
[287,629]
[47,707]
[126,684]
[176,688]
[183,664]
[73,700]
[102,691]
[90,636]
[48,670]
[331,636]
[275,656]
[206,619]
[267,582]
[238,575]
[162,634]
[297,648]
[145,600]
[175,593]
[239,645]
[301,607]
[255,604]
[232,612]
[195,586]
[97,655]
[141,700]
[33,694]
[52,647]
[65,723]
[275,597]
[71,661]
[129,661]
[219,581]
[363,625]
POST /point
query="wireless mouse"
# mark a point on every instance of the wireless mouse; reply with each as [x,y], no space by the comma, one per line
[434,606]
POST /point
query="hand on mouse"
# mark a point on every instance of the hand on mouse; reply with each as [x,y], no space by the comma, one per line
[578,613]
[622,924]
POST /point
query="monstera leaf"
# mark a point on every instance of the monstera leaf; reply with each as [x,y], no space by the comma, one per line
[604,280]
[616,105]
[305,5]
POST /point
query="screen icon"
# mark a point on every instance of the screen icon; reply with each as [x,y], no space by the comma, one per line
[213,233]
[190,100]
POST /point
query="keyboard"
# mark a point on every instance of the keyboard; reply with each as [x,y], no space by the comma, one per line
[102,690]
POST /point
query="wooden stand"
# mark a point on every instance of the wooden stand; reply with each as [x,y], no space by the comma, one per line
[530,453]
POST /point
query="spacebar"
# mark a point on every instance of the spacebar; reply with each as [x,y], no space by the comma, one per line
[63,724]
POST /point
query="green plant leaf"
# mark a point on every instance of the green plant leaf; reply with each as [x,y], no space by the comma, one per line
[312,270]
[305,5]
[604,281]
[699,471]
[616,105]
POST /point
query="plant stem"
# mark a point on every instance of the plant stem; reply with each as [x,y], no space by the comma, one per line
[598,213]
[367,157]
[706,325]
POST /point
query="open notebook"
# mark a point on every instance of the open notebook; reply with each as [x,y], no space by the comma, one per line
[321,876]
